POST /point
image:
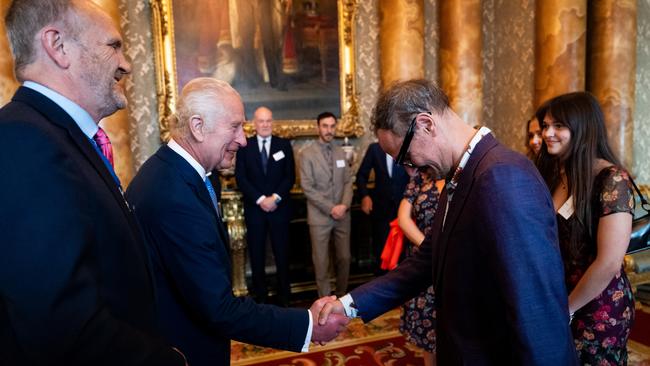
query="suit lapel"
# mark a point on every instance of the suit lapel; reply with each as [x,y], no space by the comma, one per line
[192,178]
[56,115]
[254,151]
[319,156]
[457,203]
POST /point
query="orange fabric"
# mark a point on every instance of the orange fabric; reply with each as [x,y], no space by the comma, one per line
[393,247]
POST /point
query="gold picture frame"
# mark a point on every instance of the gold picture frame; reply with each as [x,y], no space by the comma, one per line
[166,74]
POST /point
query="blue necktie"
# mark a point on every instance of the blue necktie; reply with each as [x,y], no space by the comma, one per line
[265,156]
[213,195]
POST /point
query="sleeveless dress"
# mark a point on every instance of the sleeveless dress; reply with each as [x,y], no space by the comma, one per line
[601,327]
[418,319]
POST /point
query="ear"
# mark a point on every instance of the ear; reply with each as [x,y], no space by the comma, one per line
[196,127]
[53,44]
[426,122]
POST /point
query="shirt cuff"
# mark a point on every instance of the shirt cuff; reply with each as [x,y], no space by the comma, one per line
[277,196]
[347,301]
[259,200]
[305,347]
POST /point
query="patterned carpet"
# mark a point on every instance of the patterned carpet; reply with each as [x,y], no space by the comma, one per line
[381,335]
[380,343]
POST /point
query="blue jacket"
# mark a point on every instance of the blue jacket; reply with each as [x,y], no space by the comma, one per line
[496,266]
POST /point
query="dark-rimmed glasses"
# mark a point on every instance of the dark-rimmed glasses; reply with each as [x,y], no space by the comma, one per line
[406,144]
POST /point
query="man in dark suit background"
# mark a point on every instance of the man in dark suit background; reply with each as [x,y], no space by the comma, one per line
[493,251]
[188,243]
[380,203]
[265,173]
[75,286]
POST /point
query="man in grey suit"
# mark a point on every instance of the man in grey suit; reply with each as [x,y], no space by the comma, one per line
[326,180]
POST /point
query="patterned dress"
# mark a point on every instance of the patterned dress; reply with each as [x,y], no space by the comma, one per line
[601,327]
[418,320]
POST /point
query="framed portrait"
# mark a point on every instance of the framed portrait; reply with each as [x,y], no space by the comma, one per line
[294,56]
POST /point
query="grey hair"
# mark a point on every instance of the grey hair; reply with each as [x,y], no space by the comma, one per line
[400,102]
[26,17]
[201,96]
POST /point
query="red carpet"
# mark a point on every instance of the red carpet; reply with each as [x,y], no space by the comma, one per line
[392,351]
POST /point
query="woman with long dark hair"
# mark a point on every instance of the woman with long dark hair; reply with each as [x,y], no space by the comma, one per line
[593,198]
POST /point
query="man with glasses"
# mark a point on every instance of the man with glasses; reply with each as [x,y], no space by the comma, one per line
[493,251]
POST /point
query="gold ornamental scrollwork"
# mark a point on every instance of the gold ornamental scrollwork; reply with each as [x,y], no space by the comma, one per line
[167,84]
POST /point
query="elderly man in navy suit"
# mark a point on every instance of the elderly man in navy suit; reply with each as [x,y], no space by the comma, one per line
[178,209]
[493,251]
[75,284]
[265,173]
[382,201]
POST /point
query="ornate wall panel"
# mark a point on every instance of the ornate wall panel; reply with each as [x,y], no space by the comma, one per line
[508,68]
[141,85]
[641,166]
[368,79]
[431,40]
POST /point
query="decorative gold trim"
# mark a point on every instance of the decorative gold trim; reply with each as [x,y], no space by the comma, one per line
[166,79]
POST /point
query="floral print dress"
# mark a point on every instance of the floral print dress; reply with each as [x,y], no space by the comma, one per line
[601,327]
[418,320]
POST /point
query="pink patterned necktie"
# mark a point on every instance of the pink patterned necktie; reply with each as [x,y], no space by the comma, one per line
[101,139]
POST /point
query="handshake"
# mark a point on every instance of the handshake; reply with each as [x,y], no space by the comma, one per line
[328,319]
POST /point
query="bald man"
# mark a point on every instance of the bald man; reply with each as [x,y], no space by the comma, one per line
[265,173]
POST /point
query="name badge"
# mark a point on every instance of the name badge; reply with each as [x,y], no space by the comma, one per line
[278,155]
[340,163]
[567,209]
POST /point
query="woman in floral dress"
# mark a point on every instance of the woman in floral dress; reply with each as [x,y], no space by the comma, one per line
[594,201]
[417,322]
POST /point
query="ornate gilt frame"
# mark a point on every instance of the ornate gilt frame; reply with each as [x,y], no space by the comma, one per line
[166,82]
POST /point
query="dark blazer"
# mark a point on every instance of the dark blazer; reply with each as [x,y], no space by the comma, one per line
[75,283]
[189,249]
[388,191]
[499,281]
[279,178]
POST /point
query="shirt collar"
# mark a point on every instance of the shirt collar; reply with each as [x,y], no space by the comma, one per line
[260,138]
[453,182]
[185,155]
[324,145]
[78,114]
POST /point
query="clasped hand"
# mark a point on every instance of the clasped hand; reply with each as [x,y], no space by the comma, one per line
[326,329]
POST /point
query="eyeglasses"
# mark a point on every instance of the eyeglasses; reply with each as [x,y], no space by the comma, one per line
[406,144]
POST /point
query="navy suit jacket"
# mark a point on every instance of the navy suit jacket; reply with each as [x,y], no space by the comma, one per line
[279,178]
[189,248]
[499,281]
[75,282]
[388,191]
